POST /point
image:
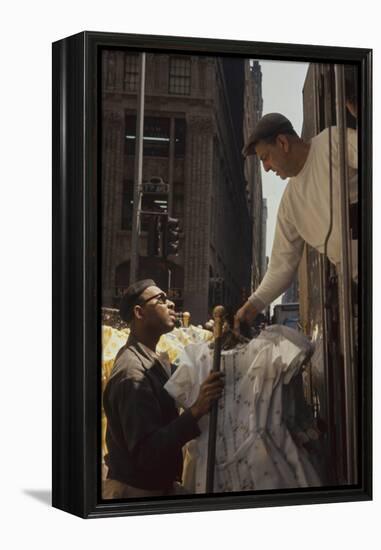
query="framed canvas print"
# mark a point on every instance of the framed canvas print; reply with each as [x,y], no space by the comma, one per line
[211,274]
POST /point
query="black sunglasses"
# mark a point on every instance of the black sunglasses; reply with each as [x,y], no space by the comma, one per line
[161,298]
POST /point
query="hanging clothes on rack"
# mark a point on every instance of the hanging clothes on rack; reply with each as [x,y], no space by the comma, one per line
[257,447]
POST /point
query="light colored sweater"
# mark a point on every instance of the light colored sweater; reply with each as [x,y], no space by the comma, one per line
[304,215]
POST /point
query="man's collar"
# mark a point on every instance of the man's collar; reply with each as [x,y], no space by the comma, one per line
[151,355]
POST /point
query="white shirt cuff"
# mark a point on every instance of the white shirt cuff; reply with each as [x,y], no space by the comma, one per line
[257,303]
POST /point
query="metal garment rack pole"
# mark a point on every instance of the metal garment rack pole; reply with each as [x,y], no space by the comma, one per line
[134,259]
[345,288]
[218,314]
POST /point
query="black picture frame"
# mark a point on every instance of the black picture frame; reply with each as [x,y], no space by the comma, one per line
[77,284]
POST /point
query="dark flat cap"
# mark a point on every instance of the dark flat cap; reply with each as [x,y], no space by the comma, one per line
[269,126]
[131,296]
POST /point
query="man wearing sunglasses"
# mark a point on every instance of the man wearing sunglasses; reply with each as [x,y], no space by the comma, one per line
[145,432]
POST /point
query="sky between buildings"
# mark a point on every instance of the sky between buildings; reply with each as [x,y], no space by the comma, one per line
[282,92]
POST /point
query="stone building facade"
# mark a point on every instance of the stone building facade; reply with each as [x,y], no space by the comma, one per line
[264,257]
[258,210]
[195,121]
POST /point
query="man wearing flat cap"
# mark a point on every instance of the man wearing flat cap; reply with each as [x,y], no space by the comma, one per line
[145,433]
[304,213]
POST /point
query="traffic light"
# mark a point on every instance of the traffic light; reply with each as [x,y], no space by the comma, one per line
[153,237]
[171,236]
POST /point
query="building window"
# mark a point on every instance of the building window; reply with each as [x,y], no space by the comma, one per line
[127,204]
[156,136]
[180,75]
[152,201]
[131,72]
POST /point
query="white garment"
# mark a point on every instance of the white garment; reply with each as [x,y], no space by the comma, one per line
[254,449]
[304,215]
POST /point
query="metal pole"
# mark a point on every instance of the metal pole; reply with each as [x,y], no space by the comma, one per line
[135,229]
[345,287]
[218,314]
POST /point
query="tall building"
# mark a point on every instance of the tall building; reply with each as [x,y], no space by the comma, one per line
[195,121]
[264,258]
[253,112]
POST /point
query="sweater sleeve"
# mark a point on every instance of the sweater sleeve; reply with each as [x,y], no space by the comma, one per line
[285,257]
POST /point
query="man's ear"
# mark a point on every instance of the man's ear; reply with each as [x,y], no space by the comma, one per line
[284,143]
[138,312]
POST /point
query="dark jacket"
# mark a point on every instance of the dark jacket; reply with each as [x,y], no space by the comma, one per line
[145,434]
